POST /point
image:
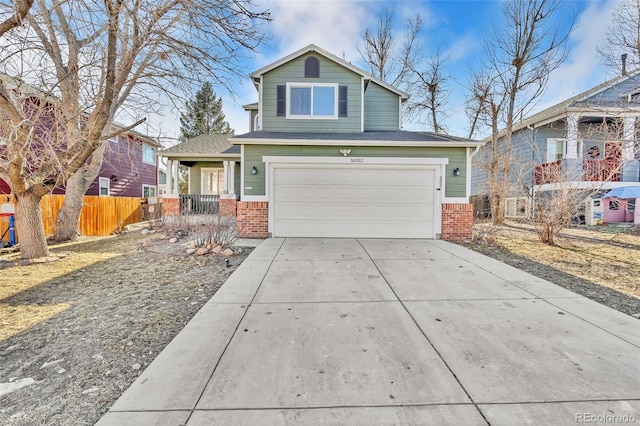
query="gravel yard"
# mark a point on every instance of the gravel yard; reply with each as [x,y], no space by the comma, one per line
[76,332]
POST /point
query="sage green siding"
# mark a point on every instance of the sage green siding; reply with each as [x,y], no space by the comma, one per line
[455,185]
[381,108]
[293,72]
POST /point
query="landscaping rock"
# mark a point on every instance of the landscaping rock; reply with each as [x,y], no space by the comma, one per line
[202,251]
[191,251]
[173,240]
[227,252]
[14,385]
[145,232]
[216,249]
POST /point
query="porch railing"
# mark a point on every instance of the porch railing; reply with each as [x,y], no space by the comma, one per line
[590,171]
[601,170]
[199,204]
[548,172]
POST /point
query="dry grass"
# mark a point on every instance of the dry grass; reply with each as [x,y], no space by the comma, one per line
[85,326]
[602,263]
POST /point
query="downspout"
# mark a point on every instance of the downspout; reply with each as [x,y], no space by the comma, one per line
[533,170]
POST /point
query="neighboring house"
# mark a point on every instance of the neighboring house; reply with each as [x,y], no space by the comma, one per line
[589,141]
[129,168]
[213,162]
[327,157]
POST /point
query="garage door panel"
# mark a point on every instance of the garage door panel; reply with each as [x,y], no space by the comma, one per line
[329,212]
[350,193]
[352,229]
[355,177]
[355,201]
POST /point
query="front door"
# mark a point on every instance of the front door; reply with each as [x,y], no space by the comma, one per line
[212,181]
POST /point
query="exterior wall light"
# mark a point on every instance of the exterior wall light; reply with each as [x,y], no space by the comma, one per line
[254,170]
[456,171]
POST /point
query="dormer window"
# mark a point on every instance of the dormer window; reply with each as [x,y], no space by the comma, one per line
[312,67]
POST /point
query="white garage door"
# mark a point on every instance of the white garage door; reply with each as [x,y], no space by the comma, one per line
[355,201]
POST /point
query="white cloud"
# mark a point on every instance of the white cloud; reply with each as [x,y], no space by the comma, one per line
[582,68]
[332,25]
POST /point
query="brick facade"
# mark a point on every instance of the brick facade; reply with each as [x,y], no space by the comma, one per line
[253,219]
[228,206]
[457,222]
[170,206]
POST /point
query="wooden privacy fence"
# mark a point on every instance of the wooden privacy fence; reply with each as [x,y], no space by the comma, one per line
[100,216]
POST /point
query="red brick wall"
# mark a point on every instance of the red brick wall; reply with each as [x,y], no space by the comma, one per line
[228,206]
[457,222]
[170,206]
[253,219]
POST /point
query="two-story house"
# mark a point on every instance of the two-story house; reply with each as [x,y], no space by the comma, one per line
[327,157]
[588,142]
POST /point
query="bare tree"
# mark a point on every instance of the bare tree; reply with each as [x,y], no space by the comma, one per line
[388,62]
[408,68]
[603,161]
[429,96]
[623,37]
[98,60]
[525,47]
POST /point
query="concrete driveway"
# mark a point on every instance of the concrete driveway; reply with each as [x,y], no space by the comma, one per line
[367,332]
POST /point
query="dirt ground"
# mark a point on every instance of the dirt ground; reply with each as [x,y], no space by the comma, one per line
[79,330]
[82,328]
[601,263]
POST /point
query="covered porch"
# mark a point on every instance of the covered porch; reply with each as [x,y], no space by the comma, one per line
[200,172]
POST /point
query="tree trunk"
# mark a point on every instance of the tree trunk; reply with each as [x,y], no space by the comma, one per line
[29,227]
[68,220]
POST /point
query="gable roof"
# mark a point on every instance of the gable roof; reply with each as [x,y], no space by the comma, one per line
[204,145]
[255,76]
[577,101]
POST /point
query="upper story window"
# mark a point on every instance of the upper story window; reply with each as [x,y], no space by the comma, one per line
[555,149]
[148,154]
[318,100]
[312,100]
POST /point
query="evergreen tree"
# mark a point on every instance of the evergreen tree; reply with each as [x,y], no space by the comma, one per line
[203,115]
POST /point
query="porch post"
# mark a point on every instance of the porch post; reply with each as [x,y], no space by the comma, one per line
[232,177]
[176,180]
[572,136]
[169,176]
[225,164]
[629,125]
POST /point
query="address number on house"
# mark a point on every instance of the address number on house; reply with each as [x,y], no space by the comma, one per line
[357,160]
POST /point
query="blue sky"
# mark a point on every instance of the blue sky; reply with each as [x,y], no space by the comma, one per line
[457,26]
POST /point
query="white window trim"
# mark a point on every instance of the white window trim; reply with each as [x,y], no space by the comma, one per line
[203,170]
[155,189]
[564,148]
[311,86]
[101,182]
[144,147]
